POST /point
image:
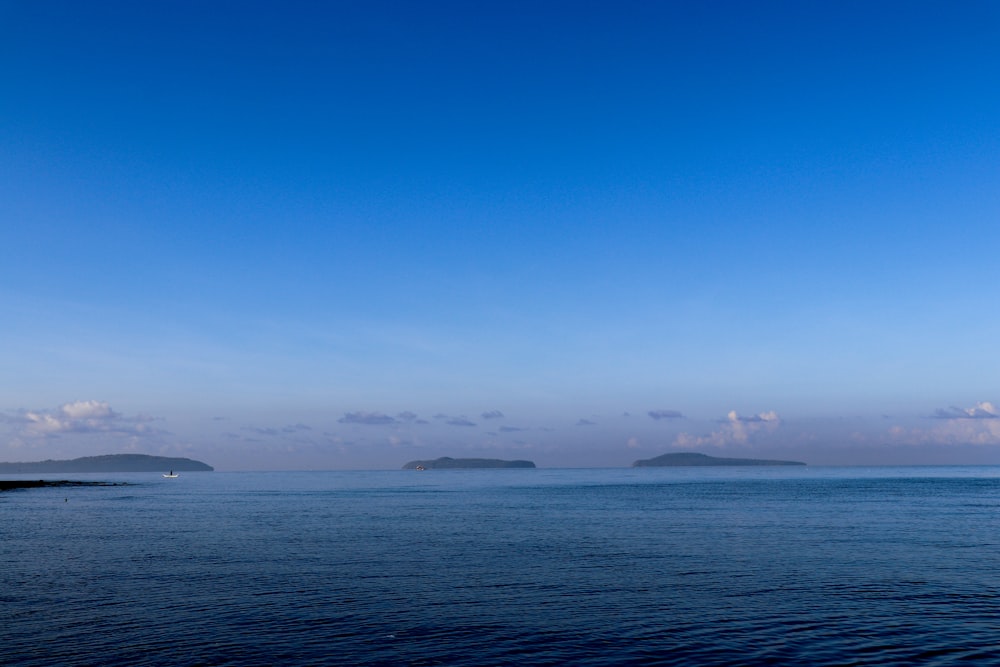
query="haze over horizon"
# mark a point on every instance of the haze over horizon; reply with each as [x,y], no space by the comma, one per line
[348,235]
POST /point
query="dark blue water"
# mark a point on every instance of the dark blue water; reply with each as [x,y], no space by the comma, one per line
[893,566]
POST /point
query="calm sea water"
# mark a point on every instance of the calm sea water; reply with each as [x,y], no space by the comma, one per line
[738,566]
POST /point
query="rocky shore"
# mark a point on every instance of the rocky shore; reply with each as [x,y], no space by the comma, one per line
[11,484]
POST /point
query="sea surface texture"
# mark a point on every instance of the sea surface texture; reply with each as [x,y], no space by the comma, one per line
[650,566]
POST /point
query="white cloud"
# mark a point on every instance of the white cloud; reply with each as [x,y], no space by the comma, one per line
[78,417]
[753,419]
[734,430]
[741,429]
[38,423]
[957,431]
[978,425]
[89,410]
[981,410]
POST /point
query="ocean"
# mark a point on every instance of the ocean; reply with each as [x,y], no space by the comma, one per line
[647,566]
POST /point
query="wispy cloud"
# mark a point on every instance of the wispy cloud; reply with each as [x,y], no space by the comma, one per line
[88,410]
[511,429]
[397,441]
[460,420]
[273,432]
[735,429]
[492,414]
[978,425]
[759,418]
[78,417]
[369,418]
[665,414]
[981,410]
[950,432]
[586,422]
[260,431]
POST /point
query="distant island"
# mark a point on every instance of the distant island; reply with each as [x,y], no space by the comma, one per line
[448,463]
[108,463]
[694,459]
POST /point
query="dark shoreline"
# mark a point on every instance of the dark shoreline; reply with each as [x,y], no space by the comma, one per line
[105,463]
[9,485]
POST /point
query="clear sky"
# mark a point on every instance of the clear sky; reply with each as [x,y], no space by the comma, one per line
[324,235]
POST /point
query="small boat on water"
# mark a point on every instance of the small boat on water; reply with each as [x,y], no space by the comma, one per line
[171,474]
[420,468]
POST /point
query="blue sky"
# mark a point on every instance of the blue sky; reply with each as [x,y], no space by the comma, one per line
[311,235]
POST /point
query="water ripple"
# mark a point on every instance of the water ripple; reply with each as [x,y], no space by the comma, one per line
[742,572]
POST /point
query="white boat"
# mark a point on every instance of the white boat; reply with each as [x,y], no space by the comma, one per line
[171,474]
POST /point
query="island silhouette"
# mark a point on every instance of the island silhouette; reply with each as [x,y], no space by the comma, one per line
[446,462]
[108,463]
[695,459]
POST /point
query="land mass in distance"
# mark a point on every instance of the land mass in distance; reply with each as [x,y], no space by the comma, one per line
[108,463]
[446,462]
[694,459]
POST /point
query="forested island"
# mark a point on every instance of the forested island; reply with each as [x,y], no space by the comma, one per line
[449,463]
[108,463]
[694,459]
